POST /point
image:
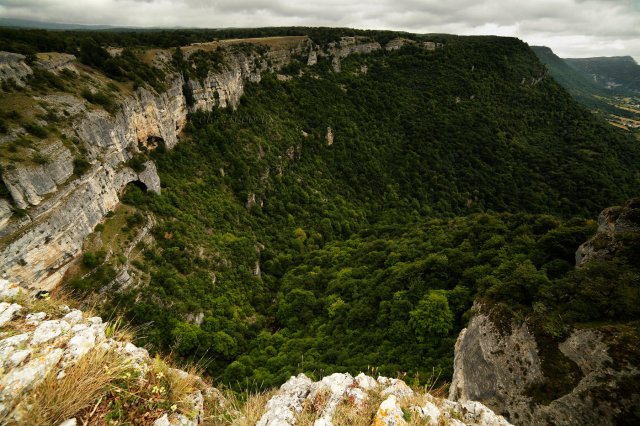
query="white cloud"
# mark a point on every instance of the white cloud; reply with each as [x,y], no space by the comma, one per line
[571,28]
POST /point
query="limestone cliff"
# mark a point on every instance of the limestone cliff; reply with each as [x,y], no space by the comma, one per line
[590,377]
[53,209]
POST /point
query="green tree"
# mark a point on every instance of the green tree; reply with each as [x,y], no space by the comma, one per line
[432,317]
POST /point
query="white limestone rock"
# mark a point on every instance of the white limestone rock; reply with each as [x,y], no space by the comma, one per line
[49,330]
[35,318]
[389,413]
[476,413]
[366,382]
[282,408]
[73,317]
[429,412]
[395,387]
[17,358]
[82,342]
[8,290]
[5,212]
[20,379]
[336,385]
[8,311]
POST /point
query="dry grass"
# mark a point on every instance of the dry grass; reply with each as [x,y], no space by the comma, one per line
[180,384]
[313,407]
[54,401]
[350,414]
[244,409]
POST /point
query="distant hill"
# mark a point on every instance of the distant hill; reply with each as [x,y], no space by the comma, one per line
[620,74]
[26,23]
[580,86]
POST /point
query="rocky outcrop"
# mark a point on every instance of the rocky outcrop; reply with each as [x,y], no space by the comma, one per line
[504,368]
[348,46]
[325,402]
[55,62]
[494,368]
[13,67]
[40,344]
[29,184]
[617,226]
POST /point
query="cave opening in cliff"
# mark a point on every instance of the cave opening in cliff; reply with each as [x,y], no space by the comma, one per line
[138,184]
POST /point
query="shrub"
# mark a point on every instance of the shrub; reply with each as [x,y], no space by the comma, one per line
[80,166]
[36,130]
[100,98]
[40,158]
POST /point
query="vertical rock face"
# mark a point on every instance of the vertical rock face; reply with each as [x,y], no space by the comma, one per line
[348,46]
[36,249]
[615,224]
[505,370]
[494,368]
[29,185]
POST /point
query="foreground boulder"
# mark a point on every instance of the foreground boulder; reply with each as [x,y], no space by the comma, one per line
[339,398]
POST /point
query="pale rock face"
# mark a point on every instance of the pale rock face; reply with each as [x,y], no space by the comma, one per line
[478,414]
[49,330]
[397,43]
[70,422]
[329,136]
[497,369]
[12,66]
[349,46]
[73,317]
[398,388]
[312,59]
[36,318]
[282,408]
[21,379]
[175,420]
[18,357]
[8,290]
[338,388]
[82,342]
[336,385]
[30,184]
[366,382]
[9,346]
[429,412]
[55,62]
[5,212]
[8,311]
[613,224]
[389,413]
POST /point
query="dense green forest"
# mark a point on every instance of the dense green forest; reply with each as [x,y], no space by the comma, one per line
[456,175]
[623,71]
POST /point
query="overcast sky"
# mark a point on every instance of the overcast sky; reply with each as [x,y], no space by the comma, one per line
[572,28]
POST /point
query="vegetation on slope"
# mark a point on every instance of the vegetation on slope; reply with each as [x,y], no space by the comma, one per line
[620,74]
[453,175]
